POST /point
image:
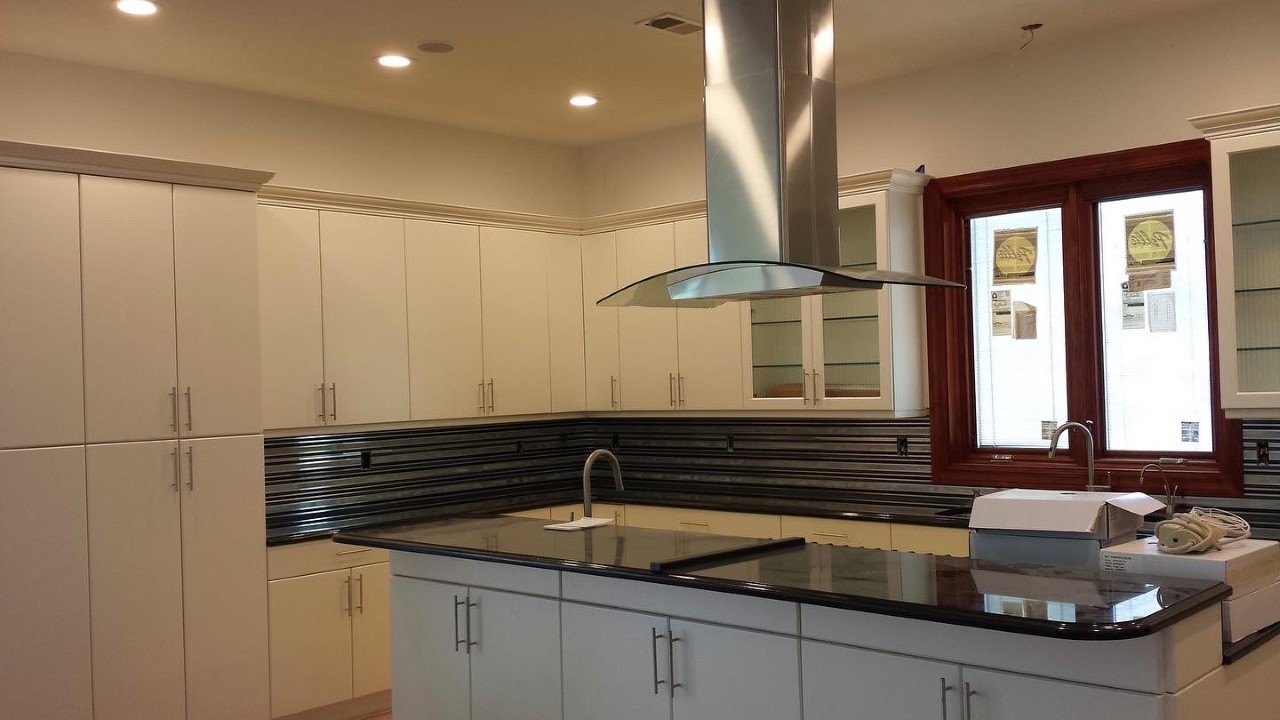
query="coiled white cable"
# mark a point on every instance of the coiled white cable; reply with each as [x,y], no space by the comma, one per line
[1200,530]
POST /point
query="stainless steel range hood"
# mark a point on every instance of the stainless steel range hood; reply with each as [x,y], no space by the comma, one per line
[772,214]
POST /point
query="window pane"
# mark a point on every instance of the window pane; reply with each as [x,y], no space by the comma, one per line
[777,350]
[850,321]
[1155,323]
[1019,340]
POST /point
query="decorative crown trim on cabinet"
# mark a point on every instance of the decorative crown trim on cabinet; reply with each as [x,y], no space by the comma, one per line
[411,209]
[32,156]
[1238,122]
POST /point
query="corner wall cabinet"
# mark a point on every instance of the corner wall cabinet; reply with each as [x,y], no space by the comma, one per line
[1245,148]
[862,350]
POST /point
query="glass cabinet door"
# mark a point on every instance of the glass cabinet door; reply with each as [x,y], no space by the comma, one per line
[1255,236]
[779,355]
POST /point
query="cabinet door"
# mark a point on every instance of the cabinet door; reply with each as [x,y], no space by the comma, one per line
[366,336]
[729,673]
[291,335]
[843,683]
[929,539]
[311,641]
[215,248]
[430,668]
[517,359]
[371,629]
[633,683]
[515,640]
[130,340]
[224,579]
[710,339]
[135,562]
[648,355]
[45,669]
[42,386]
[600,324]
[776,354]
[855,533]
[446,361]
[564,307]
[1002,696]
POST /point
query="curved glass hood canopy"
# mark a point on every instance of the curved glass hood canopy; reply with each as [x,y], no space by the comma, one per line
[772,212]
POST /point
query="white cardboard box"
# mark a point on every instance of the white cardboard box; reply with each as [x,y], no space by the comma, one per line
[1036,549]
[1247,614]
[1055,513]
[1245,565]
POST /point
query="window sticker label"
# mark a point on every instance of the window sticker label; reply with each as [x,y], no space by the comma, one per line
[1024,321]
[1001,314]
[1046,429]
[1015,256]
[1190,432]
[1149,241]
[1161,314]
[1151,280]
[1135,307]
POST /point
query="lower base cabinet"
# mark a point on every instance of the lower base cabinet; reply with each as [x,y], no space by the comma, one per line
[657,668]
[464,652]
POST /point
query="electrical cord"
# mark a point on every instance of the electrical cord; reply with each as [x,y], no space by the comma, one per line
[1201,530]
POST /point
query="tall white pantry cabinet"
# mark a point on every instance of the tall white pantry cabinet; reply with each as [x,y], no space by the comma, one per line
[131,479]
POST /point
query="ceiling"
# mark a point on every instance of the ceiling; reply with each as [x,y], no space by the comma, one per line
[517,61]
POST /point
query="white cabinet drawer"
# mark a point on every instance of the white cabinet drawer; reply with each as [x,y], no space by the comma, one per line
[305,558]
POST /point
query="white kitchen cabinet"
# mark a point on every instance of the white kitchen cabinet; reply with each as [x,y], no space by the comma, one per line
[844,683]
[45,667]
[600,324]
[862,350]
[1004,696]
[1245,150]
[130,337]
[633,683]
[215,241]
[707,521]
[366,341]
[649,360]
[517,361]
[446,356]
[565,318]
[723,672]
[178,570]
[311,642]
[371,629]
[474,652]
[833,531]
[710,339]
[42,386]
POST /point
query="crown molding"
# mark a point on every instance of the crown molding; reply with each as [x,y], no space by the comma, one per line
[32,156]
[1238,122]
[646,216]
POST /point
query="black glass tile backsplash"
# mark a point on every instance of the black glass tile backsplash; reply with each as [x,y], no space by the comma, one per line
[320,483]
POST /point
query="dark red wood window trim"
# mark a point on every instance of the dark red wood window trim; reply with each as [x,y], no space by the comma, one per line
[1076,185]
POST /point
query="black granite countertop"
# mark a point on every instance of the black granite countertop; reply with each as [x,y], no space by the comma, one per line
[1036,600]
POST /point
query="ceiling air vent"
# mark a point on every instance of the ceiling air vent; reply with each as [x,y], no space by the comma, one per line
[672,23]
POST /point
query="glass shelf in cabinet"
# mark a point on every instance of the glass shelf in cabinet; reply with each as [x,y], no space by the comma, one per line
[1254,223]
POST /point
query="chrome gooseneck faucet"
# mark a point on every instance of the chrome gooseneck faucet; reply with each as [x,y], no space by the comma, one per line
[1088,445]
[1170,494]
[586,477]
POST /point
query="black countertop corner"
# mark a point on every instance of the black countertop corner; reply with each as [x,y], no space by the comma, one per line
[1065,603]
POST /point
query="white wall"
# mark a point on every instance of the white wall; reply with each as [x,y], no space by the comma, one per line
[1130,87]
[307,145]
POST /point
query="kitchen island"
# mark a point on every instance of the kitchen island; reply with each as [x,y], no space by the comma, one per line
[495,617]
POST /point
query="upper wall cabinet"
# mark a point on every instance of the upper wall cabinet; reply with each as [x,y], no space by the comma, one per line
[648,356]
[862,350]
[42,386]
[1246,210]
[600,324]
[513,284]
[710,339]
[166,358]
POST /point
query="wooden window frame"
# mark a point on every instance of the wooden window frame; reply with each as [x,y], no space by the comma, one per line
[1076,185]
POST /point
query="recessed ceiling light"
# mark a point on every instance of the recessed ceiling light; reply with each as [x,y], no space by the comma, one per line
[137,7]
[394,61]
[583,100]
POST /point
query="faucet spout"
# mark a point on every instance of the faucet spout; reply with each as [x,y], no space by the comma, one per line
[1170,494]
[586,476]
[1088,446]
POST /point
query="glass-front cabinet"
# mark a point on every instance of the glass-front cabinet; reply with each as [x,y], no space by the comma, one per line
[861,350]
[1246,209]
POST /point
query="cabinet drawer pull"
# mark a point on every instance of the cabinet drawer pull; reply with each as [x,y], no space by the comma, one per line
[457,636]
[697,523]
[173,401]
[680,388]
[656,682]
[968,696]
[492,402]
[188,394]
[945,689]
[324,403]
[613,391]
[353,552]
[804,388]
[191,469]
[333,407]
[831,535]
[360,593]
[671,388]
[346,595]
[470,643]
[816,377]
[483,401]
[671,663]
[177,469]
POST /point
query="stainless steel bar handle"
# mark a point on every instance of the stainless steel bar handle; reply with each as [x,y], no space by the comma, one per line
[470,643]
[347,595]
[681,389]
[671,388]
[671,663]
[457,637]
[173,401]
[491,399]
[353,552]
[804,387]
[360,593]
[191,469]
[483,401]
[188,394]
[333,408]
[945,689]
[816,377]
[177,469]
[831,535]
[656,682]
[968,705]
[697,523]
[613,391]
[324,402]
